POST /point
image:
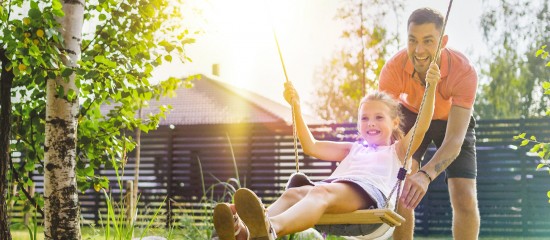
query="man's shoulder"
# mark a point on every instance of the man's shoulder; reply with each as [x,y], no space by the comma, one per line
[458,59]
[399,59]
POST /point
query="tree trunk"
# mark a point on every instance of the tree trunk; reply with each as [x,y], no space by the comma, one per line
[136,170]
[62,209]
[6,80]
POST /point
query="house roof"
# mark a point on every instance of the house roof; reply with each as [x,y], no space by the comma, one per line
[211,101]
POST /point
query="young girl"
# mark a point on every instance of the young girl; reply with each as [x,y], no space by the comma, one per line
[364,177]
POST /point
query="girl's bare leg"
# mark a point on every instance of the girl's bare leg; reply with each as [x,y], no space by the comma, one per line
[329,198]
[290,197]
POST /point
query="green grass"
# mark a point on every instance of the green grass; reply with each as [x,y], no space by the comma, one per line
[90,233]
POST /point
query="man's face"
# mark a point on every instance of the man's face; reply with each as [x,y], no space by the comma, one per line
[422,45]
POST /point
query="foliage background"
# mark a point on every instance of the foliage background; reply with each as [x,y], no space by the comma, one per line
[510,85]
[127,41]
[356,63]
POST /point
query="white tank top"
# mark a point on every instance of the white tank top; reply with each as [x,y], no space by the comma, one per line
[379,166]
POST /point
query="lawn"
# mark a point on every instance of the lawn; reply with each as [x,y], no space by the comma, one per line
[89,233]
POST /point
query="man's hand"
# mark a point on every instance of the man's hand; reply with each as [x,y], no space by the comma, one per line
[414,190]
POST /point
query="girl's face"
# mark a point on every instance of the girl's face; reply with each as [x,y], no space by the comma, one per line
[375,124]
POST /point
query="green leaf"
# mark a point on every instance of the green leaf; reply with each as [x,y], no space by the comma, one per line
[168,58]
[89,171]
[29,181]
[133,51]
[39,201]
[524,142]
[56,5]
[102,17]
[188,41]
[535,148]
[34,4]
[29,166]
[167,46]
[60,91]
[102,59]
[99,58]
[522,135]
[541,165]
[71,95]
[67,72]
[35,14]
[546,85]
[148,68]
[533,138]
[104,182]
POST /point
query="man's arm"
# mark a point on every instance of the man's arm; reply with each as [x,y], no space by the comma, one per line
[457,125]
[417,184]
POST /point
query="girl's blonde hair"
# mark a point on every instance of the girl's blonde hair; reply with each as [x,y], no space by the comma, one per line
[395,111]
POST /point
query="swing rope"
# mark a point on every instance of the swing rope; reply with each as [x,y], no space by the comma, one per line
[294,133]
[406,166]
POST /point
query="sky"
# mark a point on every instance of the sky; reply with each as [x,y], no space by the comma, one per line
[239,36]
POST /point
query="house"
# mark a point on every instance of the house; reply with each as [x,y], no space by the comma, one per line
[217,133]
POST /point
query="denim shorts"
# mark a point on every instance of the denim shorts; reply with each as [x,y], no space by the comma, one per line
[465,165]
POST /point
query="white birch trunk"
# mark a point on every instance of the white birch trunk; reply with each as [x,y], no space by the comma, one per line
[61,205]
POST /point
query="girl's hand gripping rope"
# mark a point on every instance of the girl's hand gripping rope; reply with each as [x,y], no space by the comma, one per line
[433,76]
[291,96]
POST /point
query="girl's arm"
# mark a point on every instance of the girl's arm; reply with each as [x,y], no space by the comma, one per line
[425,117]
[324,150]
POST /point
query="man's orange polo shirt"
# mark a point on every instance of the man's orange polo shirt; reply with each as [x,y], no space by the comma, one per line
[457,86]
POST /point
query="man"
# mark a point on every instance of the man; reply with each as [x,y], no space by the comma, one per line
[452,126]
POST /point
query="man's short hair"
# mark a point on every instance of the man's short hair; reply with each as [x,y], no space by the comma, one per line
[426,15]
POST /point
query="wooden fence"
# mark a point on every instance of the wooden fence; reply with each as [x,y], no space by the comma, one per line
[185,169]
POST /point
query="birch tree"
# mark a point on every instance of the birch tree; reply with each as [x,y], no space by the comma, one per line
[62,209]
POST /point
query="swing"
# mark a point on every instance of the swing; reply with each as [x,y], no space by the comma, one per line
[386,217]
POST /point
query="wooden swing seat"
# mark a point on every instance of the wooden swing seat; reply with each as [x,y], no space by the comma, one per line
[367,216]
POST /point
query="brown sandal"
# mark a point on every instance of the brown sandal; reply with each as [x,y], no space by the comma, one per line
[253,213]
[227,224]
